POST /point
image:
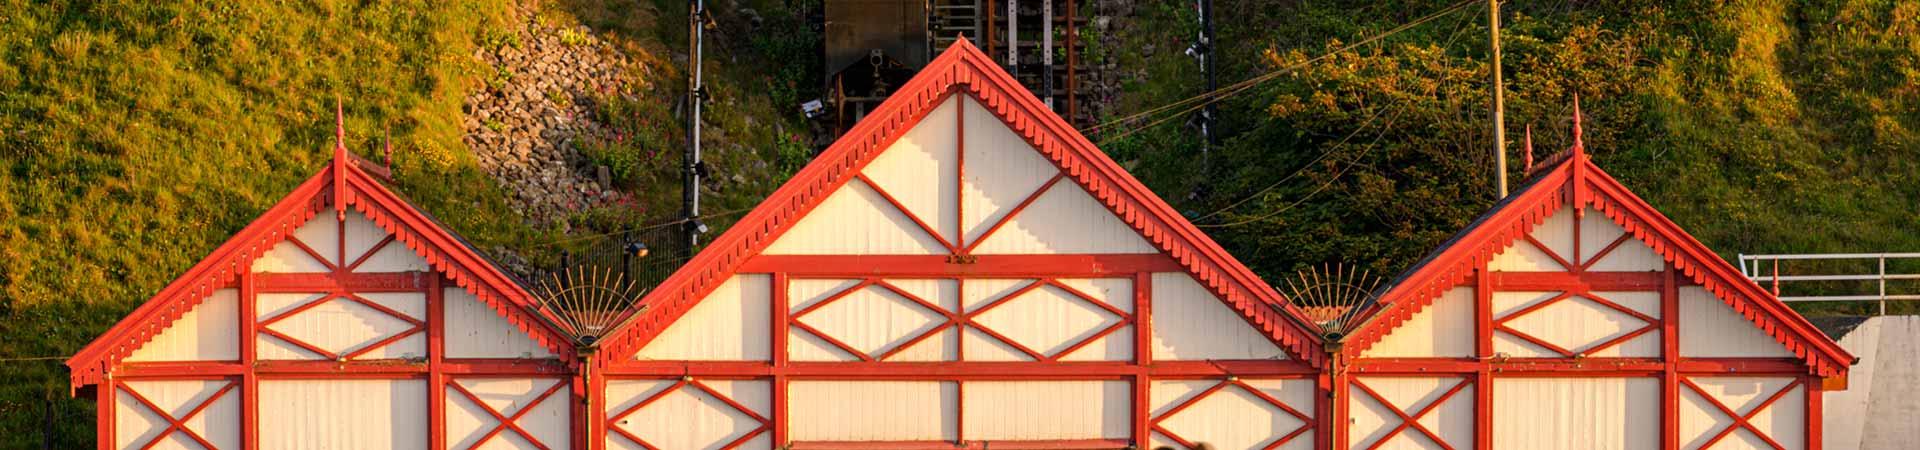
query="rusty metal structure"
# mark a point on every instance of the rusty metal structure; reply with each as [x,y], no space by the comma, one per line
[871,47]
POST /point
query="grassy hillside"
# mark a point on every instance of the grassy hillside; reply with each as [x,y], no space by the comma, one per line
[138,135]
[1760,127]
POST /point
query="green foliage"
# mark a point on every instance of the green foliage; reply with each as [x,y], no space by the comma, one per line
[1763,127]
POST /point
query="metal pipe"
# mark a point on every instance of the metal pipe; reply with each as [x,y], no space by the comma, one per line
[1013,37]
[697,95]
[1499,113]
[1046,52]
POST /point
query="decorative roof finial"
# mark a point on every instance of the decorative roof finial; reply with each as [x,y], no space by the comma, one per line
[1579,146]
[339,126]
[1529,146]
[339,159]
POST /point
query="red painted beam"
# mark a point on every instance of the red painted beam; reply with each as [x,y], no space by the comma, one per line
[1065,444]
[1568,281]
[344,282]
[983,266]
[1579,367]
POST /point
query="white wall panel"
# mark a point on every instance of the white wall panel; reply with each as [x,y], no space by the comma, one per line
[873,410]
[135,424]
[322,234]
[979,293]
[855,220]
[1372,420]
[875,320]
[1443,329]
[475,330]
[343,414]
[1523,256]
[1051,320]
[342,326]
[1709,328]
[1190,323]
[549,421]
[208,332]
[1784,420]
[287,258]
[1576,323]
[688,418]
[394,257]
[1597,231]
[922,170]
[1065,220]
[729,324]
[362,234]
[1002,170]
[1027,410]
[1234,418]
[1576,413]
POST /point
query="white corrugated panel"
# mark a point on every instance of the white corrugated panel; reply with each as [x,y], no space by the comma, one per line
[322,234]
[208,332]
[922,171]
[874,320]
[1372,420]
[1234,418]
[1877,409]
[855,220]
[1065,220]
[1190,323]
[1783,421]
[135,425]
[287,258]
[474,330]
[549,421]
[394,257]
[341,326]
[1051,320]
[1443,329]
[1576,413]
[1709,329]
[729,324]
[343,414]
[1028,410]
[1597,231]
[873,411]
[1576,323]
[1002,170]
[362,234]
[688,418]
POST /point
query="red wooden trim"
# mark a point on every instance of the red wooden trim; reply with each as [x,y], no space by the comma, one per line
[984,266]
[343,282]
[1669,352]
[1411,421]
[1815,414]
[1483,349]
[1557,259]
[778,350]
[105,401]
[967,370]
[174,424]
[504,422]
[685,382]
[1580,367]
[960,172]
[1142,356]
[1624,238]
[1307,422]
[909,213]
[436,365]
[370,251]
[1061,444]
[1741,420]
[1022,206]
[302,245]
[250,383]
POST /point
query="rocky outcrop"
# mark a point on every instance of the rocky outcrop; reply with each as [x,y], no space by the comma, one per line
[536,103]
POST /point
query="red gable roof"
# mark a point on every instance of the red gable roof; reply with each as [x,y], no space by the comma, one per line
[342,184]
[963,68]
[1574,180]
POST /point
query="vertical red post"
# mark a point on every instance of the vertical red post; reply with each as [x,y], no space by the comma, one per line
[1483,350]
[778,352]
[436,378]
[1670,359]
[249,382]
[1142,356]
[1814,414]
[103,405]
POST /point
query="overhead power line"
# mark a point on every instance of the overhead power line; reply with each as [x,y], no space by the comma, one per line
[1200,101]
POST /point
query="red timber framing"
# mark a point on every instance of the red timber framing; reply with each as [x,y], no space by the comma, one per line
[1575,183]
[963,71]
[340,186]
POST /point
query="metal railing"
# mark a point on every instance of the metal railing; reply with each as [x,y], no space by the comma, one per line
[1755,268]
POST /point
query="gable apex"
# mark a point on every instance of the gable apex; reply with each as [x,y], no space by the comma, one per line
[962,70]
[1573,182]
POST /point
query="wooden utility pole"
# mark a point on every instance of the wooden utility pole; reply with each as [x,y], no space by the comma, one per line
[1499,113]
